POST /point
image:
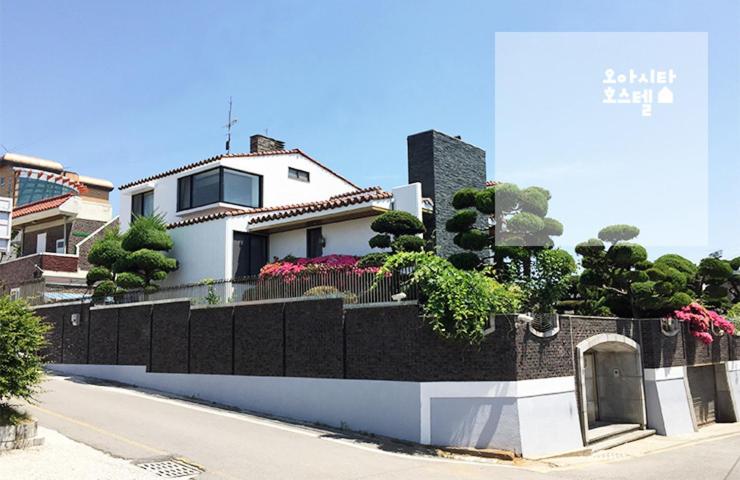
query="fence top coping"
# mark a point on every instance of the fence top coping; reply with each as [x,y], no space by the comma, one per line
[59,304]
[353,306]
[140,304]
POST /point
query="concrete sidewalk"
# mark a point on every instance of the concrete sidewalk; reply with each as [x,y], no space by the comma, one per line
[60,458]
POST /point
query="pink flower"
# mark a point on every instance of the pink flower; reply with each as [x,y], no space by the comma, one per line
[701,320]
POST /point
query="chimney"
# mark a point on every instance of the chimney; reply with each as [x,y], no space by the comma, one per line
[261,143]
[444,164]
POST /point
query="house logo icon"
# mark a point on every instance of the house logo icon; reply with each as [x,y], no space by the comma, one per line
[665,95]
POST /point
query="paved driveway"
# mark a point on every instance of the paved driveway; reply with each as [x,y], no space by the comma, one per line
[136,425]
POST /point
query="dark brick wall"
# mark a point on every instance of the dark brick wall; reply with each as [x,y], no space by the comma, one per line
[53,316]
[258,339]
[104,336]
[211,345]
[170,335]
[319,338]
[134,330]
[85,244]
[313,338]
[75,338]
[443,165]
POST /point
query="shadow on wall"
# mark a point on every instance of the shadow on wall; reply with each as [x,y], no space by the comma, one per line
[475,422]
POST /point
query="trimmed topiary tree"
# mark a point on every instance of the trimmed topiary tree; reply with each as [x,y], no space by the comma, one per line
[718,282]
[620,281]
[134,260]
[397,231]
[516,226]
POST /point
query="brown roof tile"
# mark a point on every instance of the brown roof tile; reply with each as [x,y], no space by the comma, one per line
[232,155]
[41,205]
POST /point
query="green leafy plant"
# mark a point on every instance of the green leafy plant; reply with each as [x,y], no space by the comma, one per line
[619,280]
[398,231]
[718,282]
[548,281]
[22,336]
[510,222]
[211,298]
[456,303]
[133,260]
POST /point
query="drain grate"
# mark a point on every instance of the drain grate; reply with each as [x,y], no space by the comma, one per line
[171,468]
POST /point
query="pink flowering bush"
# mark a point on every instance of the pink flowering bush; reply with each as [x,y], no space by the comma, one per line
[701,320]
[289,270]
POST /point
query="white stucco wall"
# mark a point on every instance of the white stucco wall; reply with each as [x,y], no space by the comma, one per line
[667,401]
[200,250]
[278,189]
[345,238]
[531,417]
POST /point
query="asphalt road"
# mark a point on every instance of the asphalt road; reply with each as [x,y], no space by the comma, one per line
[137,425]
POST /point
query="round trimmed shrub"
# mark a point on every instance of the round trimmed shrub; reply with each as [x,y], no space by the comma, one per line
[507,196]
[525,222]
[625,255]
[380,240]
[471,240]
[735,263]
[683,265]
[679,300]
[97,274]
[408,243]
[105,289]
[715,268]
[618,233]
[553,227]
[533,200]
[149,260]
[130,280]
[373,260]
[485,201]
[147,232]
[465,198]
[590,247]
[464,260]
[461,221]
[715,291]
[107,251]
[397,222]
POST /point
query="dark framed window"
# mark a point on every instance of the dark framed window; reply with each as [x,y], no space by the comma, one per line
[142,204]
[314,242]
[220,184]
[296,174]
[250,254]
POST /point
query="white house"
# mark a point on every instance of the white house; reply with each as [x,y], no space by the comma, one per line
[231,214]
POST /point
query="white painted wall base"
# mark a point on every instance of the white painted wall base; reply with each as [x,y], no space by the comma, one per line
[733,381]
[668,403]
[531,417]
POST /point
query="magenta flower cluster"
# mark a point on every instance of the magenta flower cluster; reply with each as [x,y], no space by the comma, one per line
[701,320]
[290,270]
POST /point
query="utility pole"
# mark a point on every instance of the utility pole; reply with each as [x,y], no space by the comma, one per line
[228,129]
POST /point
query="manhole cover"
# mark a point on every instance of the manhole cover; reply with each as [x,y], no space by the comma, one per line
[171,468]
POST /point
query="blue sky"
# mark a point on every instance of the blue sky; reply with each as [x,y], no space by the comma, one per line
[122,90]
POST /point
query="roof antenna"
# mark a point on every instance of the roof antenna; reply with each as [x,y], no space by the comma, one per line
[228,129]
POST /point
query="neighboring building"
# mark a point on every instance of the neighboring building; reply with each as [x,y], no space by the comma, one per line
[55,215]
[231,214]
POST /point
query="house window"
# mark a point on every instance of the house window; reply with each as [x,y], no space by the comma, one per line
[142,205]
[34,189]
[314,243]
[219,185]
[296,174]
[60,246]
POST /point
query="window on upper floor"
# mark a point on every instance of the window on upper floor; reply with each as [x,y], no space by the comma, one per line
[219,185]
[296,174]
[142,204]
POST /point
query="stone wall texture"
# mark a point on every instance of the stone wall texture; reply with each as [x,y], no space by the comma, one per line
[443,165]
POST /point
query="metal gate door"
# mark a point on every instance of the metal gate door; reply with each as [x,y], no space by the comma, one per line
[703,393]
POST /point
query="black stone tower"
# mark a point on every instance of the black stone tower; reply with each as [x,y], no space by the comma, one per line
[443,165]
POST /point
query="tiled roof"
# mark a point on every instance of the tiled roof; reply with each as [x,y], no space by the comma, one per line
[284,211]
[41,205]
[232,155]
